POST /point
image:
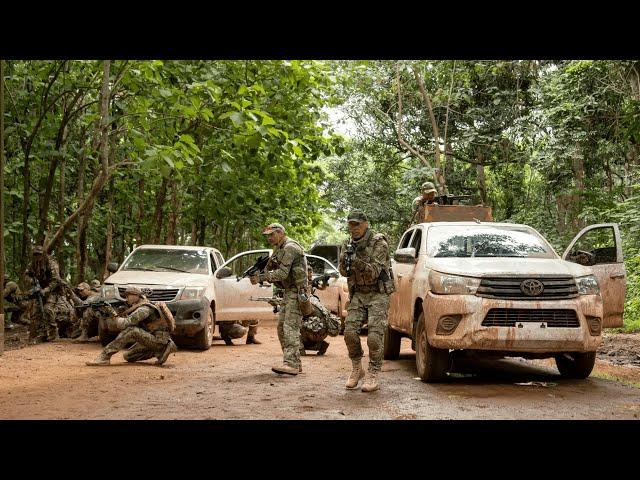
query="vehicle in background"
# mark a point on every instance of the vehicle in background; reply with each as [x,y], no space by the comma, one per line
[233,294]
[182,277]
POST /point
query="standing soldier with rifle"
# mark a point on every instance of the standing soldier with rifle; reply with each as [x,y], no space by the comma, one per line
[365,261]
[145,325]
[48,292]
[287,269]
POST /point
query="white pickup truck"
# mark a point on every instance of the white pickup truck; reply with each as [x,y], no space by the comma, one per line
[201,289]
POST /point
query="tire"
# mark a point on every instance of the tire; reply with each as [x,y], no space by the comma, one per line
[392,341]
[432,363]
[203,339]
[579,365]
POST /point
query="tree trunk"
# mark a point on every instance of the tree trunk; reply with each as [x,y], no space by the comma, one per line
[482,186]
[139,239]
[203,231]
[109,238]
[173,216]
[158,215]
[577,197]
[194,232]
[81,242]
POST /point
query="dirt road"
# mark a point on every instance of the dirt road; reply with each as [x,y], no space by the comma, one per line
[50,381]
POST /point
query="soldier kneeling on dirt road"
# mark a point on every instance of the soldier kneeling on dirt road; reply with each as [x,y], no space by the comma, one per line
[318,325]
[147,326]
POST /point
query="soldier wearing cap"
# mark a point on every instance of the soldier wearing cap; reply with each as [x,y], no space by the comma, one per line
[287,270]
[89,315]
[142,325]
[365,261]
[428,197]
[96,286]
[44,269]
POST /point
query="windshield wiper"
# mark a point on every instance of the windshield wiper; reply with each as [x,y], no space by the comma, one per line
[171,268]
[141,268]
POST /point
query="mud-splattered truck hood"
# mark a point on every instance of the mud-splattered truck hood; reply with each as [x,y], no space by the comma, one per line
[175,279]
[512,266]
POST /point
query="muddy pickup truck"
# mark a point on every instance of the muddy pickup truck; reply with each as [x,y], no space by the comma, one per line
[479,288]
[182,277]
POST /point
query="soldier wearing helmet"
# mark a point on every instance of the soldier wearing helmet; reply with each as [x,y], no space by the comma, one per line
[144,326]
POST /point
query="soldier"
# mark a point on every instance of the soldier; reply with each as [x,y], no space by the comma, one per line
[89,315]
[427,197]
[145,327]
[318,325]
[44,269]
[230,331]
[96,287]
[14,304]
[365,261]
[287,269]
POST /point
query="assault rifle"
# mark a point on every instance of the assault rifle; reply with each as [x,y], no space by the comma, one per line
[350,254]
[110,303]
[256,268]
[322,280]
[36,292]
[275,302]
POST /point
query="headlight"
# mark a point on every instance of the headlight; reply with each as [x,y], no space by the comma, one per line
[444,284]
[588,285]
[109,291]
[192,293]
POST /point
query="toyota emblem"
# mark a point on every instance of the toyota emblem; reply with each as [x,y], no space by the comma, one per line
[146,291]
[532,287]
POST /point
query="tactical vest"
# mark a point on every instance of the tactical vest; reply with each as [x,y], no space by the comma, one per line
[297,275]
[164,320]
[359,282]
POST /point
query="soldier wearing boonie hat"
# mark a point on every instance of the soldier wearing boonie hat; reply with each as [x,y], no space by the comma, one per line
[287,270]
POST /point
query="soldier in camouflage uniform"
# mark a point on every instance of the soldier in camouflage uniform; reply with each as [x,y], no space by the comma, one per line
[365,261]
[143,326]
[45,270]
[14,304]
[234,330]
[96,287]
[89,315]
[428,197]
[317,326]
[287,269]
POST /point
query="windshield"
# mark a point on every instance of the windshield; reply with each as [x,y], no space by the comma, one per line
[485,241]
[157,260]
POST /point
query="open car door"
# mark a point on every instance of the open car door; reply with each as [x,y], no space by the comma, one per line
[600,248]
[232,296]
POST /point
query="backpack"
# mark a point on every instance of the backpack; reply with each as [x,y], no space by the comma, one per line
[166,315]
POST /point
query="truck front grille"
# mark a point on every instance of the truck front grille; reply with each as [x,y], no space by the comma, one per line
[509,317]
[157,295]
[555,288]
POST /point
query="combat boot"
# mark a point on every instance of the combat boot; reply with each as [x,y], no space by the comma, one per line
[371,383]
[252,339]
[357,374]
[284,368]
[82,338]
[228,341]
[169,349]
[323,348]
[303,352]
[102,359]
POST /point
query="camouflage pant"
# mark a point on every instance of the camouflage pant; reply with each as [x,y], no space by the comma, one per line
[145,344]
[373,309]
[44,323]
[312,340]
[235,330]
[289,321]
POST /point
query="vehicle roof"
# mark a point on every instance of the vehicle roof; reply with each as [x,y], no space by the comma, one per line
[177,247]
[467,224]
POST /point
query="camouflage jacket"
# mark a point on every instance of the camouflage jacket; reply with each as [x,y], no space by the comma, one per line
[49,280]
[144,315]
[12,293]
[321,321]
[287,267]
[371,261]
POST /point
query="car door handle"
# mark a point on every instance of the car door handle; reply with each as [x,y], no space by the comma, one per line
[400,275]
[617,275]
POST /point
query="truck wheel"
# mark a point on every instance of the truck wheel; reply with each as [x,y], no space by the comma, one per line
[392,344]
[432,363]
[575,365]
[204,338]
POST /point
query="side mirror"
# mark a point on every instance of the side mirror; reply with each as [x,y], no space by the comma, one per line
[224,272]
[334,274]
[405,255]
[113,267]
